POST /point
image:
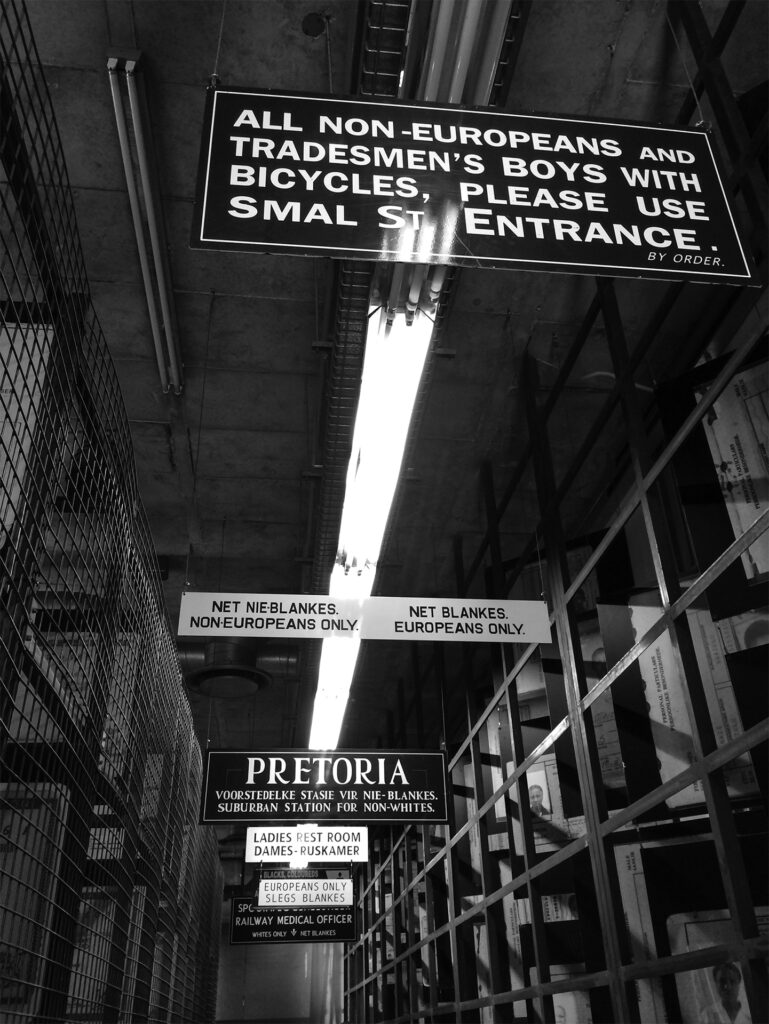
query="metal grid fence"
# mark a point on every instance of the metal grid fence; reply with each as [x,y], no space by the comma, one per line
[109,891]
[606,854]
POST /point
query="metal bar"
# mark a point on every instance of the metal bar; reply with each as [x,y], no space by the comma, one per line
[133,200]
[140,118]
[557,572]
[703,738]
[730,120]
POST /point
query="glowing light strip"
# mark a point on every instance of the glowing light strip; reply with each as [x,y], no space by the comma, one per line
[392,368]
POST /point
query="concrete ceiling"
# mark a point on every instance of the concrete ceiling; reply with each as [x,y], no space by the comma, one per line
[231,470]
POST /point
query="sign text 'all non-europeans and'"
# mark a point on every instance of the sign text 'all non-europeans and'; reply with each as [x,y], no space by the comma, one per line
[344,786]
[297,616]
[409,182]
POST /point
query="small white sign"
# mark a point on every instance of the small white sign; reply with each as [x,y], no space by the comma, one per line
[305,892]
[373,618]
[306,843]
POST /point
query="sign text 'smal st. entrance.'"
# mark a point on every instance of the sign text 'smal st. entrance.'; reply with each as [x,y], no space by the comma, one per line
[418,183]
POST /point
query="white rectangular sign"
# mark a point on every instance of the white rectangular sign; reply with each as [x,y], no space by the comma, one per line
[306,616]
[307,843]
[305,892]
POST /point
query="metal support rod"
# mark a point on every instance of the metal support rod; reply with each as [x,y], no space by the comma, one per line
[151,199]
[495,35]
[461,64]
[440,37]
[557,572]
[730,121]
[133,199]
[703,737]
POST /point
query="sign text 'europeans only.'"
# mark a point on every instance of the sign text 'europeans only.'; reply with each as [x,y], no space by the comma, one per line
[345,843]
[417,183]
[298,616]
[323,786]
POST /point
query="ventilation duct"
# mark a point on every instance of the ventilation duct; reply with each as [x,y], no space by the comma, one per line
[235,667]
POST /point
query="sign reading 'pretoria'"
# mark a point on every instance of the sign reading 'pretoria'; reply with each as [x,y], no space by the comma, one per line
[321,785]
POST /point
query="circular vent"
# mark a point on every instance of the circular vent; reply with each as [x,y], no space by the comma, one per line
[228,671]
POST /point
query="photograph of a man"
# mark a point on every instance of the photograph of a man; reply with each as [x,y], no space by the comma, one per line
[536,801]
[729,1009]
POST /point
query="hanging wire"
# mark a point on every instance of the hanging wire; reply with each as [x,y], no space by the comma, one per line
[187,566]
[214,79]
[327,19]
[203,394]
[539,566]
[221,552]
[702,123]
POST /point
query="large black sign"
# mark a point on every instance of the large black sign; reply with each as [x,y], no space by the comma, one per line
[320,176]
[323,785]
[250,923]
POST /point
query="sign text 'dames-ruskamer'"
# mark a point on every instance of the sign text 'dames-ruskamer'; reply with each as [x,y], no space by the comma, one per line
[317,175]
[343,843]
[374,618]
[321,786]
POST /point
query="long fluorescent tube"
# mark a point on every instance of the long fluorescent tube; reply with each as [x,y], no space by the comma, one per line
[144,199]
[392,369]
[393,363]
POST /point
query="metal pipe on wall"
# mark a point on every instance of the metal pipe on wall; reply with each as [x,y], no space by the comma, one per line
[140,118]
[133,199]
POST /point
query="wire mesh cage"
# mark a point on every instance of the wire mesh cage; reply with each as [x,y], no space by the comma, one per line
[109,891]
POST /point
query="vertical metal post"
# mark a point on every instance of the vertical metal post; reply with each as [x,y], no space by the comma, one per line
[557,572]
[703,737]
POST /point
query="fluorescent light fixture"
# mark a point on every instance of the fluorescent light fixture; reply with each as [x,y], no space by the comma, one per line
[135,138]
[394,360]
[392,369]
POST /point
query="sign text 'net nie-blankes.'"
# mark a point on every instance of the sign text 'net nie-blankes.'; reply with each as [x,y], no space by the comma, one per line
[323,785]
[409,182]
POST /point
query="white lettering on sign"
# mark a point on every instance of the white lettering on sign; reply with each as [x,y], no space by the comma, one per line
[305,892]
[306,842]
[272,787]
[318,769]
[375,618]
[305,175]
